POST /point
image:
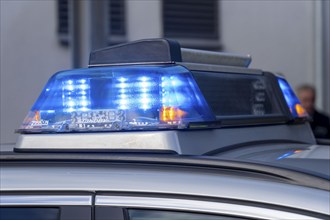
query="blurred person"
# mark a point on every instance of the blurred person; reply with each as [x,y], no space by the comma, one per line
[320,122]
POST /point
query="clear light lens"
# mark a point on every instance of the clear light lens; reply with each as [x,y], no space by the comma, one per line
[118,98]
[291,99]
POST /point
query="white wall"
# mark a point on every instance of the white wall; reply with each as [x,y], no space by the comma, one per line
[30,53]
[278,35]
[144,19]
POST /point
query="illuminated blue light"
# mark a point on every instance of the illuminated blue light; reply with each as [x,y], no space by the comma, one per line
[134,97]
[70,109]
[291,99]
[83,87]
[285,155]
[74,95]
[84,103]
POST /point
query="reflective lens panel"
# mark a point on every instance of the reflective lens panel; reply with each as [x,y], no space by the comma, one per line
[118,98]
[291,99]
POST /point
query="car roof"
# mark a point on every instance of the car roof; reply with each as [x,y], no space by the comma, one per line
[163,175]
[289,175]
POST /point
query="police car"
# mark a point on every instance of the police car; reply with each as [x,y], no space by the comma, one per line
[151,130]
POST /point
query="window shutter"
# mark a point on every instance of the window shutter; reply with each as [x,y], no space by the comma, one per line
[63,21]
[117,17]
[192,19]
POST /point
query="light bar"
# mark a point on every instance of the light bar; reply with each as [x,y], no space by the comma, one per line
[118,98]
[291,99]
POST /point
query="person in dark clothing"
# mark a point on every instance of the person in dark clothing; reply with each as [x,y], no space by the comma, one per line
[320,123]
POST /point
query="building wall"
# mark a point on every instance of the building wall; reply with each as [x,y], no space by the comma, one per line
[280,36]
[30,54]
[143,19]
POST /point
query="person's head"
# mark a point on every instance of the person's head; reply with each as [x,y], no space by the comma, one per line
[306,94]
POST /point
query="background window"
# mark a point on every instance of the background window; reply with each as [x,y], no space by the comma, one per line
[117,27]
[116,18]
[193,22]
[63,21]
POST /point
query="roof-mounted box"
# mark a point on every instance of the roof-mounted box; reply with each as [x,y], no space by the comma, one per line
[161,51]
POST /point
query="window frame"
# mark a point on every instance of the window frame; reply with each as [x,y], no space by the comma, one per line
[242,209]
[70,206]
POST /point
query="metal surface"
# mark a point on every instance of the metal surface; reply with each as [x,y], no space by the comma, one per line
[275,172]
[44,200]
[218,68]
[155,140]
[215,58]
[202,141]
[193,142]
[160,179]
[196,206]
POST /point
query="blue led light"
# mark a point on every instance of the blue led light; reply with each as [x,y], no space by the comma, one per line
[285,155]
[291,99]
[115,98]
[289,154]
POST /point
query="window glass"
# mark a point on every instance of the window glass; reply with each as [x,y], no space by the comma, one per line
[135,214]
[29,213]
[230,94]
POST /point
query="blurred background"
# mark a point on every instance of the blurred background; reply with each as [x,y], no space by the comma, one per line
[41,37]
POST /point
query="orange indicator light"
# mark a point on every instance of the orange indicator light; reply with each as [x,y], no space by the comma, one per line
[168,114]
[300,110]
[37,116]
[297,151]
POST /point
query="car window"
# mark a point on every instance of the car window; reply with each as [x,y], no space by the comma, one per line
[29,213]
[45,207]
[137,214]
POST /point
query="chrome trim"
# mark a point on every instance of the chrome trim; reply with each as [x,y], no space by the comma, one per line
[45,200]
[142,140]
[196,206]
[216,58]
[218,68]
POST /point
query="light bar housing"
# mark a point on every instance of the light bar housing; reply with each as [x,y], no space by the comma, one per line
[118,98]
[151,85]
[293,103]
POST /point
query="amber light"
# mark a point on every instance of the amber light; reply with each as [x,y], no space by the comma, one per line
[168,114]
[300,110]
[37,116]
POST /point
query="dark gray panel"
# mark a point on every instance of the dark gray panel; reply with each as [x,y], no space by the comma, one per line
[20,213]
[108,213]
[76,213]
